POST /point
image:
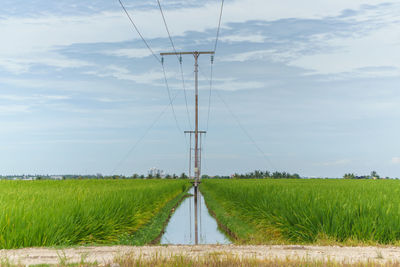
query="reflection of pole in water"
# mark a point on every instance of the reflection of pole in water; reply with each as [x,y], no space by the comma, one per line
[196,132]
[190,220]
[201,229]
[196,233]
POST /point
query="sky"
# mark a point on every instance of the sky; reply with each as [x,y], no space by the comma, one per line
[308,87]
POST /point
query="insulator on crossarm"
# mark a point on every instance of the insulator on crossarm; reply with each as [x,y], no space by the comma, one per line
[212,59]
[180,59]
[162,60]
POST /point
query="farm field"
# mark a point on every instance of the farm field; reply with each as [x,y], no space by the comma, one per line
[81,212]
[324,212]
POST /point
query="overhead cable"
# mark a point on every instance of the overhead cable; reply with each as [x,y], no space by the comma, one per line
[239,123]
[212,60]
[211,67]
[219,25]
[245,131]
[170,99]
[209,95]
[143,136]
[137,30]
[179,60]
[157,58]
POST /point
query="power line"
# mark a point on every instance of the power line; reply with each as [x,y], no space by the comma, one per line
[179,57]
[208,112]
[184,90]
[241,126]
[143,136]
[156,57]
[137,30]
[170,99]
[212,69]
[209,106]
[212,61]
[219,25]
[245,131]
[166,26]
[179,60]
[209,96]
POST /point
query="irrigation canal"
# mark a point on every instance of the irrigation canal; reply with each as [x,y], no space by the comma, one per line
[181,227]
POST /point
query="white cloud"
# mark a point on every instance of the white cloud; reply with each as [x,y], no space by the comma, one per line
[22,64]
[253,38]
[26,35]
[240,11]
[375,49]
[27,41]
[131,52]
[396,160]
[372,52]
[285,53]
[13,109]
[238,85]
[153,77]
[33,98]
[335,162]
[110,100]
[254,55]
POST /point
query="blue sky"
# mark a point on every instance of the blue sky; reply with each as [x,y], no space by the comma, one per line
[315,83]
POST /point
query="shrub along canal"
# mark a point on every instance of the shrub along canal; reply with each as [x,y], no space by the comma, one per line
[181,227]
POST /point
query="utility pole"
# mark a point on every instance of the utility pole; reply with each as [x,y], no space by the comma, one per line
[196,131]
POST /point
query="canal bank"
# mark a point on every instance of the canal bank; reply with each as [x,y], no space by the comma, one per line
[181,228]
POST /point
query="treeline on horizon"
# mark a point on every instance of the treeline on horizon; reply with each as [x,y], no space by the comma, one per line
[374,175]
[258,174]
[266,175]
[251,175]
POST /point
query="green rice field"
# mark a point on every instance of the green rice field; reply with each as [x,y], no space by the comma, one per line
[76,212]
[268,211]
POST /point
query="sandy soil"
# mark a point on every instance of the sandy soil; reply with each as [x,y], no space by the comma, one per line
[103,255]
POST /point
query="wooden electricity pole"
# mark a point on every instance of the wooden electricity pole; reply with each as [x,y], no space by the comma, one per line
[196,131]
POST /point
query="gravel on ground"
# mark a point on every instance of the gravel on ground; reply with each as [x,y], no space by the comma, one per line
[107,254]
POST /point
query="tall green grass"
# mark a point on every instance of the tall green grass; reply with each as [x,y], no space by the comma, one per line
[307,211]
[64,213]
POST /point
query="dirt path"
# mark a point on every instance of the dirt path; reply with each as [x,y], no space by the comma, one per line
[103,255]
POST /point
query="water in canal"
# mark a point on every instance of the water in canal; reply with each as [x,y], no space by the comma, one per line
[181,227]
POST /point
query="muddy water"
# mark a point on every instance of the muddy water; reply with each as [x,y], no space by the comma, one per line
[181,227]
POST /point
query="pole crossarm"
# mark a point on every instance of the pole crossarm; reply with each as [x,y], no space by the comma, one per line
[200,132]
[188,53]
[196,132]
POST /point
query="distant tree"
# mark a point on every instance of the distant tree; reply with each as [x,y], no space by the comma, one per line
[135,176]
[349,176]
[258,174]
[183,176]
[236,176]
[295,176]
[374,175]
[276,175]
